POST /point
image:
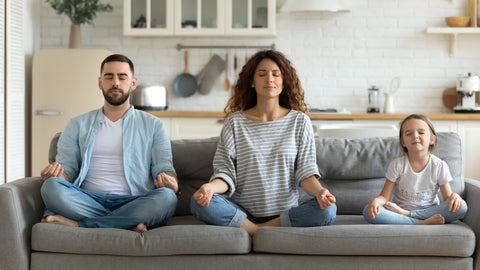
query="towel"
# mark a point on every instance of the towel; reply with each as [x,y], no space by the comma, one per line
[209,74]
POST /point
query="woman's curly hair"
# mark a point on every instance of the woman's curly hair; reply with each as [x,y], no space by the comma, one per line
[244,96]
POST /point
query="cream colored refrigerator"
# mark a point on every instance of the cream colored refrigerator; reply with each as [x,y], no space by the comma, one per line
[64,85]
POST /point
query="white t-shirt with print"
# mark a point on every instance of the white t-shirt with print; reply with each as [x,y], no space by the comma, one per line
[417,190]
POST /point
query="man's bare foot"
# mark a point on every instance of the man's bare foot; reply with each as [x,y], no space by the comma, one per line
[433,220]
[397,209]
[140,228]
[61,220]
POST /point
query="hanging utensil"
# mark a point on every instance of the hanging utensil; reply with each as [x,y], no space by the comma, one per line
[394,85]
[226,83]
[185,84]
[235,64]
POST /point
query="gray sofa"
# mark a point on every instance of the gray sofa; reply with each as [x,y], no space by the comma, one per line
[353,170]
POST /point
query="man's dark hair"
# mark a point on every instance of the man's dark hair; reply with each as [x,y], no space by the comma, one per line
[117,58]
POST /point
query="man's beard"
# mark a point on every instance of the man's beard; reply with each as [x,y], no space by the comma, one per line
[116,101]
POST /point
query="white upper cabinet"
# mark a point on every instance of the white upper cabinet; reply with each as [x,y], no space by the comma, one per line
[147,17]
[250,17]
[199,17]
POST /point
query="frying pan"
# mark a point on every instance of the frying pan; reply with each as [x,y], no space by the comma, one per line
[185,84]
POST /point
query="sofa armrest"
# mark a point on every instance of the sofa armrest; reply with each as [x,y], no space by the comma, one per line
[21,206]
[472,218]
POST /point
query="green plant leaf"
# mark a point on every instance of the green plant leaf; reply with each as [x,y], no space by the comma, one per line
[79,11]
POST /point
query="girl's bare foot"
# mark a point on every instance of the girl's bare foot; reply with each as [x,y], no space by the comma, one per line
[61,220]
[433,220]
[397,209]
[140,228]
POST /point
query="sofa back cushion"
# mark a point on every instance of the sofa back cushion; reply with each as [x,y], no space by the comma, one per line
[353,170]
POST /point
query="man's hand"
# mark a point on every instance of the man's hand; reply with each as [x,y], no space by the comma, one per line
[166,180]
[53,170]
[325,198]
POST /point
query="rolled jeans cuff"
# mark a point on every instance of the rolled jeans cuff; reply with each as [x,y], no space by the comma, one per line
[238,219]
[285,219]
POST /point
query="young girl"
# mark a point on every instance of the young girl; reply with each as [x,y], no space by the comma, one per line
[414,180]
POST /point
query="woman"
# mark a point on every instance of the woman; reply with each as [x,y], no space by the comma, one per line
[265,153]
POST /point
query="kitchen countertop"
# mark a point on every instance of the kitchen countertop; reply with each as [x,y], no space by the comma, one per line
[328,116]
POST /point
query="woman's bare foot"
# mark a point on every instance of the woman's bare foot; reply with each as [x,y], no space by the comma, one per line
[61,220]
[433,220]
[397,209]
[140,228]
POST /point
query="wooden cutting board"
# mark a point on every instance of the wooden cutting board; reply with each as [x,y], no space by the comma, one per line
[450,97]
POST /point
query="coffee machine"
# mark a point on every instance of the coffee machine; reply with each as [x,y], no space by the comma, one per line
[467,88]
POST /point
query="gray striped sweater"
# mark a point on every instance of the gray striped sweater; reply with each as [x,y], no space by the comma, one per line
[264,162]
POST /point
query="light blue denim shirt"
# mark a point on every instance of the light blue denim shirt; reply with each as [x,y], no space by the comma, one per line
[146,148]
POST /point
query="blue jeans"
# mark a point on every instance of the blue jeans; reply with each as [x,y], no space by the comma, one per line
[97,210]
[223,212]
[388,217]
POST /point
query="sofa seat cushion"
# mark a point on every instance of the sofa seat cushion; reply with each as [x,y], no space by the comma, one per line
[351,235]
[188,237]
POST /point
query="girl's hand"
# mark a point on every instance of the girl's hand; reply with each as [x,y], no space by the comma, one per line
[373,208]
[325,199]
[203,195]
[454,202]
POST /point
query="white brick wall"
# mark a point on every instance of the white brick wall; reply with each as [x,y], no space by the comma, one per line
[337,56]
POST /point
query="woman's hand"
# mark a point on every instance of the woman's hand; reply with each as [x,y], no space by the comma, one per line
[454,202]
[166,180]
[325,198]
[204,194]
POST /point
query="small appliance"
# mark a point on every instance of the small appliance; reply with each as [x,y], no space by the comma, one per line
[467,87]
[149,97]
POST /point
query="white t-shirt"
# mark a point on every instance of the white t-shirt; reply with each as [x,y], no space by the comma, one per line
[417,190]
[106,173]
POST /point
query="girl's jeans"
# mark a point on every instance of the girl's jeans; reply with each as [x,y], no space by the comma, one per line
[223,212]
[97,210]
[388,217]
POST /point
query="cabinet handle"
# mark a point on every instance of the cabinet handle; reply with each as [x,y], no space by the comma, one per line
[220,121]
[48,113]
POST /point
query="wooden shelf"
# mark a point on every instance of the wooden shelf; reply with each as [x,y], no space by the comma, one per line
[453,32]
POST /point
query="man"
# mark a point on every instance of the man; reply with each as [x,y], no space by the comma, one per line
[114,165]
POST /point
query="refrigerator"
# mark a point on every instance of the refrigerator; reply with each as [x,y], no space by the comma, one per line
[64,85]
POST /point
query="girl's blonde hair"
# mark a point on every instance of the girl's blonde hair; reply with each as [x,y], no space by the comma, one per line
[425,119]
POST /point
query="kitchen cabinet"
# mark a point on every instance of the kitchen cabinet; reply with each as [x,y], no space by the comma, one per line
[193,128]
[250,17]
[147,17]
[199,17]
[468,131]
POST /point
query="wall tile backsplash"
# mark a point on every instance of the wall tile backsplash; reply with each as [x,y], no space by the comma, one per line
[338,56]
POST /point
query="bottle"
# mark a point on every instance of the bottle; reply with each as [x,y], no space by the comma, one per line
[373,100]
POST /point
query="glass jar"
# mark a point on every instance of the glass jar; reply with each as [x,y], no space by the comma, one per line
[373,100]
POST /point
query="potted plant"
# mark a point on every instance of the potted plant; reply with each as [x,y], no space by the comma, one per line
[79,12]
